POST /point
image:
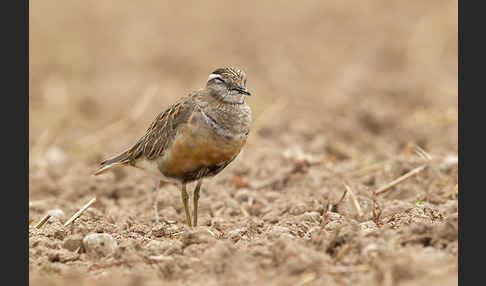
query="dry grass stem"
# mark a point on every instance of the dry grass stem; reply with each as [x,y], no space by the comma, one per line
[210,232]
[329,209]
[326,206]
[422,153]
[342,197]
[376,210]
[354,200]
[43,221]
[367,169]
[400,179]
[244,211]
[343,251]
[37,203]
[80,212]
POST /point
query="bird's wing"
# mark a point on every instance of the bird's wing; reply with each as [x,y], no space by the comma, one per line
[161,132]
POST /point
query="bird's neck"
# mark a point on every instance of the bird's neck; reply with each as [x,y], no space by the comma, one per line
[229,115]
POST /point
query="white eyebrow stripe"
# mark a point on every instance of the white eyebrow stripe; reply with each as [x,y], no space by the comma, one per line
[213,76]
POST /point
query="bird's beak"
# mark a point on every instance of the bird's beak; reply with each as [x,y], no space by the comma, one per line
[243,90]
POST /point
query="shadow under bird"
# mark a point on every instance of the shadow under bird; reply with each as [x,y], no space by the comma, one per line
[195,138]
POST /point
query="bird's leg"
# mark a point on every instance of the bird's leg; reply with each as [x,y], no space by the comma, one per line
[184,197]
[156,201]
[196,200]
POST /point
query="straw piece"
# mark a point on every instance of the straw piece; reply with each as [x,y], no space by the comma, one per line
[422,153]
[37,203]
[368,169]
[244,211]
[343,251]
[342,197]
[376,210]
[400,179]
[80,212]
[43,221]
[355,201]
[210,232]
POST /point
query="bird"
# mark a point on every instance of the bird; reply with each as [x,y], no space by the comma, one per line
[194,138]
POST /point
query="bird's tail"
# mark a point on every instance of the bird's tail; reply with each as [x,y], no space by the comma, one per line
[117,160]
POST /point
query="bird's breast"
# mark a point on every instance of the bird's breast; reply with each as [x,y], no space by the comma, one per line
[200,144]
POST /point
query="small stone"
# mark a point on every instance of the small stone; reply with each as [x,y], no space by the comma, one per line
[98,245]
[56,214]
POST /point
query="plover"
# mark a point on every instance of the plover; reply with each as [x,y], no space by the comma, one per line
[195,138]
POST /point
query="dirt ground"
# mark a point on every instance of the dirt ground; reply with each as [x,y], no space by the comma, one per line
[347,97]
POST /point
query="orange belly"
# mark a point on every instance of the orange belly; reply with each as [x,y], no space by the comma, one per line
[191,151]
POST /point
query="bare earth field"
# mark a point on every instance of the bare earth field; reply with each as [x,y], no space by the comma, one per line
[347,97]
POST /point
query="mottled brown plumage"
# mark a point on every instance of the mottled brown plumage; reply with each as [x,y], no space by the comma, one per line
[196,137]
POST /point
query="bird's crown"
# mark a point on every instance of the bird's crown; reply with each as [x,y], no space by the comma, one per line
[231,76]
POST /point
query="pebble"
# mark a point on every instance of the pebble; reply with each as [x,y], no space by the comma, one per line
[98,245]
[55,214]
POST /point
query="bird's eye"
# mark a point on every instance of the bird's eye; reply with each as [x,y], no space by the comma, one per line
[218,79]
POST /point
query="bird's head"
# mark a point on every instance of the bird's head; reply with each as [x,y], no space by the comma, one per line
[228,84]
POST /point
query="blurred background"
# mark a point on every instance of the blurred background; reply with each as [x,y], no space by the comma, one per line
[371,76]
